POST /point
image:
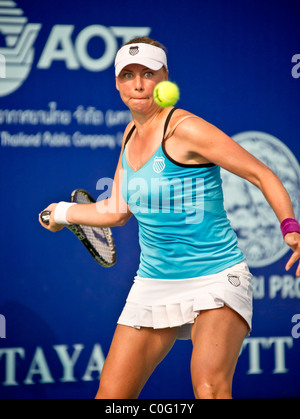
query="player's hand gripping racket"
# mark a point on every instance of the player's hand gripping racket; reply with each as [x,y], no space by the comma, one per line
[98,241]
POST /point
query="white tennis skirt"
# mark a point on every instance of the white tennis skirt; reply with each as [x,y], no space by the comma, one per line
[161,303]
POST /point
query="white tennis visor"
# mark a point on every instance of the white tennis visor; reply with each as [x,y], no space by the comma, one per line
[144,54]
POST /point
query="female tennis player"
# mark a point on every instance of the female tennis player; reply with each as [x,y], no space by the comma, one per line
[193,281]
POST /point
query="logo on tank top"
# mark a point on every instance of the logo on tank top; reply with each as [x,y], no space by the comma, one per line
[159,164]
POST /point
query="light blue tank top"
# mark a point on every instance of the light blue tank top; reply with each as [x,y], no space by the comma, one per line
[184,231]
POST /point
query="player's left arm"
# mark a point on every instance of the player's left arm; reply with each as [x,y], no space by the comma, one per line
[209,142]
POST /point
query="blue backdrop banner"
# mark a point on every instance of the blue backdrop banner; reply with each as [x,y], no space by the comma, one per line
[237,65]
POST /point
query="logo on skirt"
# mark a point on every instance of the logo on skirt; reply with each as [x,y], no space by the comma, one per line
[234,280]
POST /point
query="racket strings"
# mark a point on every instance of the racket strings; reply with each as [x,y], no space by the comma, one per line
[100,238]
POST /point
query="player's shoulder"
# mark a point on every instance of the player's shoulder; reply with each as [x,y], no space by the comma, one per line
[182,115]
[191,128]
[185,121]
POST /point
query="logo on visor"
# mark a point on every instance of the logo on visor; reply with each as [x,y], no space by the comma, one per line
[134,50]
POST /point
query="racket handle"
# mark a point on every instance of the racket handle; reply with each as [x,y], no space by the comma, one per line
[45,217]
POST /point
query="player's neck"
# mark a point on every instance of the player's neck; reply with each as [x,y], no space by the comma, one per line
[146,123]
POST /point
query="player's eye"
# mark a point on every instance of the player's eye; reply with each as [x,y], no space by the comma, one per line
[127,76]
[148,74]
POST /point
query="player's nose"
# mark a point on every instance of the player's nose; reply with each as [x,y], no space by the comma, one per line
[139,85]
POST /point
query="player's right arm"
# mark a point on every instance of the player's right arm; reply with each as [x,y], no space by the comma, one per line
[110,212]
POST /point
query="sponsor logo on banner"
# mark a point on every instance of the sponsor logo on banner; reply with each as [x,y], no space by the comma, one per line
[19,38]
[63,363]
[2,67]
[23,368]
[251,217]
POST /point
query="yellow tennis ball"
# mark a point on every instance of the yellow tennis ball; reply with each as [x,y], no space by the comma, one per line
[166,94]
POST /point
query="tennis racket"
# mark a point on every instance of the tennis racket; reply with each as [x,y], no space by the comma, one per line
[98,241]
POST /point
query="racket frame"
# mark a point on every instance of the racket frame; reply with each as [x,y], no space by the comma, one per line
[79,233]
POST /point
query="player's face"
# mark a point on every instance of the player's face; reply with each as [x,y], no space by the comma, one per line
[136,84]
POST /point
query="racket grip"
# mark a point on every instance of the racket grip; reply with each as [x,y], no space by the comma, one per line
[45,217]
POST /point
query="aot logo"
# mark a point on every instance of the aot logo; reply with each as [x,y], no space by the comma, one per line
[2,67]
[250,215]
[60,46]
[19,37]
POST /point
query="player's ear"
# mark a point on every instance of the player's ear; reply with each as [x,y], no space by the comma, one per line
[166,73]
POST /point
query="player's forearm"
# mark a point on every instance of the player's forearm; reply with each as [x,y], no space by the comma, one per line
[276,195]
[100,214]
